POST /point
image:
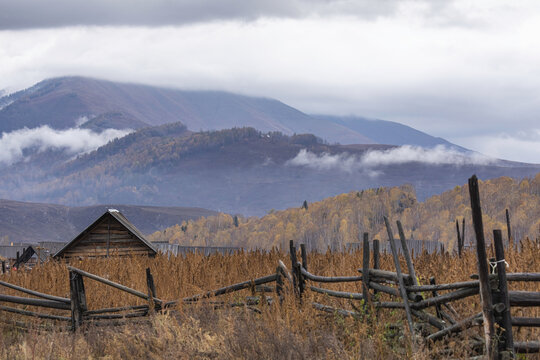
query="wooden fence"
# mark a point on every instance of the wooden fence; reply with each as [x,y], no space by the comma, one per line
[402,286]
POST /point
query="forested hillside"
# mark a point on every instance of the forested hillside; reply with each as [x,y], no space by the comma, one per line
[337,221]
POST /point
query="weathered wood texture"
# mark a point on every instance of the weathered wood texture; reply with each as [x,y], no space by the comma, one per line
[485,289]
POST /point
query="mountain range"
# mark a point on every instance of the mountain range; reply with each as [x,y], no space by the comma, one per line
[65,141]
[66,102]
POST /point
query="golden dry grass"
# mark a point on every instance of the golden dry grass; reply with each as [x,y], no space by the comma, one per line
[290,331]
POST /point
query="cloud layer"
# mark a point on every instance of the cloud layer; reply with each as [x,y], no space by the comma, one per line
[13,145]
[57,13]
[449,68]
[439,155]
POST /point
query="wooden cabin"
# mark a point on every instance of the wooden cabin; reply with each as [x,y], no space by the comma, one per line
[110,235]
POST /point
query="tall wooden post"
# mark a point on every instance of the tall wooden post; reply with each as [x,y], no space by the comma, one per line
[365,270]
[507,340]
[78,299]
[459,241]
[303,253]
[376,257]
[462,234]
[151,290]
[294,266]
[508,227]
[483,272]
[301,279]
[3,267]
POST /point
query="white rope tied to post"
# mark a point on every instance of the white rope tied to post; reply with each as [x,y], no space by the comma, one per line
[493,265]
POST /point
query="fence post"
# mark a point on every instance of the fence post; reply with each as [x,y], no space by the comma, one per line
[402,289]
[507,340]
[406,253]
[508,227]
[279,284]
[376,257]
[483,272]
[78,299]
[151,290]
[459,241]
[365,271]
[304,255]
[294,266]
[3,267]
[462,234]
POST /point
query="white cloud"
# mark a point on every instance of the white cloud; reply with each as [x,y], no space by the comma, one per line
[522,146]
[439,155]
[73,141]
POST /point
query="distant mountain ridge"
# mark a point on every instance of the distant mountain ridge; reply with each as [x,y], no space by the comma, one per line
[387,132]
[239,170]
[99,104]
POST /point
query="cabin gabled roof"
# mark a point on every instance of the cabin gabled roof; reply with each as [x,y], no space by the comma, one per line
[122,220]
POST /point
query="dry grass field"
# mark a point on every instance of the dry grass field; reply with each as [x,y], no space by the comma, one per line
[291,331]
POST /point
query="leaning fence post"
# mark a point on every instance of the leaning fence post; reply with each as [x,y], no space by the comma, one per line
[365,271]
[279,284]
[406,253]
[78,299]
[151,290]
[294,265]
[402,289]
[483,272]
[507,343]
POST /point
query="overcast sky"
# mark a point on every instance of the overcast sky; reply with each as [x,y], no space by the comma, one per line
[467,71]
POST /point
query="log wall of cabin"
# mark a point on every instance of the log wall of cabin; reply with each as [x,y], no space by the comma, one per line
[109,235]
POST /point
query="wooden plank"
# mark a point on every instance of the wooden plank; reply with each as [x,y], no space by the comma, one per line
[527,347]
[526,277]
[400,277]
[35,293]
[446,298]
[524,298]
[440,287]
[525,321]
[34,314]
[506,341]
[34,302]
[432,320]
[330,279]
[387,275]
[115,309]
[457,327]
[339,294]
[232,288]
[113,284]
[485,288]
